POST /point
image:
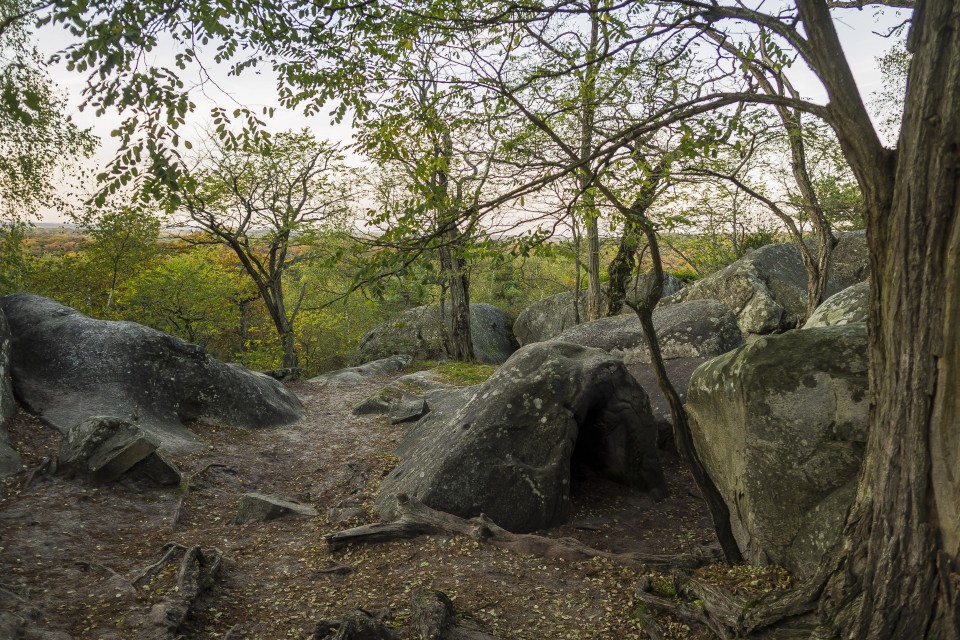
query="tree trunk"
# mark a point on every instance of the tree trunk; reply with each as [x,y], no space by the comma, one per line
[621,268]
[588,205]
[681,426]
[898,575]
[458,282]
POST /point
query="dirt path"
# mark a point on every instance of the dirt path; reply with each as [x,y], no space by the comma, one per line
[68,548]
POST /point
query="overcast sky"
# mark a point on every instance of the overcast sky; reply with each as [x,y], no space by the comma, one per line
[856,28]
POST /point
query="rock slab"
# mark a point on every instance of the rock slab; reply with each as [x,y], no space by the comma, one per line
[781,426]
[506,447]
[257,507]
[67,367]
[106,448]
[547,318]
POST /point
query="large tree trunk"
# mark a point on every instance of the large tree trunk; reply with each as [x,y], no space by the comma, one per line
[898,574]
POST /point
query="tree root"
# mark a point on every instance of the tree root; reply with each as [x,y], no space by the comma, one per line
[417,519]
[198,570]
[782,614]
[155,568]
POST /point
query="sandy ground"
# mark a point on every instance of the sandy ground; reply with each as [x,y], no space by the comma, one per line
[68,548]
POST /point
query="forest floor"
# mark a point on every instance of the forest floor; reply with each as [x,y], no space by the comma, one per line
[68,548]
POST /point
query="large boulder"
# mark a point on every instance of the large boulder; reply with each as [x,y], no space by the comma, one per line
[679,372]
[695,329]
[506,447]
[9,459]
[422,333]
[67,367]
[781,426]
[849,261]
[850,306]
[551,316]
[767,288]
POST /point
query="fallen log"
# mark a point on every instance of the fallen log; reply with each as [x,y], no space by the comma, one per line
[417,519]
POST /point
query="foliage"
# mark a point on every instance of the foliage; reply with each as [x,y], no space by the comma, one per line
[37,140]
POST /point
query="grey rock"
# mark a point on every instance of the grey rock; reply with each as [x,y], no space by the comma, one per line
[551,316]
[849,261]
[352,375]
[9,459]
[781,426]
[766,289]
[505,447]
[422,332]
[156,468]
[407,409]
[67,367]
[342,514]
[694,329]
[850,306]
[679,372]
[257,507]
[105,447]
[419,383]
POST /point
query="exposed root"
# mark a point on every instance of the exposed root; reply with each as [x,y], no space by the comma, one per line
[198,571]
[155,568]
[417,519]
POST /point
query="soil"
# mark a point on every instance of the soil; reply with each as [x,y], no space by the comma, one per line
[69,548]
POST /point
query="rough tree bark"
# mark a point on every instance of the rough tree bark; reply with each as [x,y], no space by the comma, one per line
[897,576]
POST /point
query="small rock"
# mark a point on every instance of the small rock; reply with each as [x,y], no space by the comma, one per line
[342,514]
[407,409]
[105,447]
[257,507]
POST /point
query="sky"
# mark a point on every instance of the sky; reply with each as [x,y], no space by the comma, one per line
[857,29]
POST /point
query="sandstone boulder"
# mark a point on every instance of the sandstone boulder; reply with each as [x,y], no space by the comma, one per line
[418,384]
[850,306]
[105,448]
[506,447]
[767,288]
[352,375]
[551,316]
[679,372]
[9,459]
[781,426]
[422,333]
[695,329]
[67,367]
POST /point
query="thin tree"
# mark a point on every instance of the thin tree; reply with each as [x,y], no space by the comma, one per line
[264,201]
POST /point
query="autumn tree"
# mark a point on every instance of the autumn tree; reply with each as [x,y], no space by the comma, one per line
[263,200]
